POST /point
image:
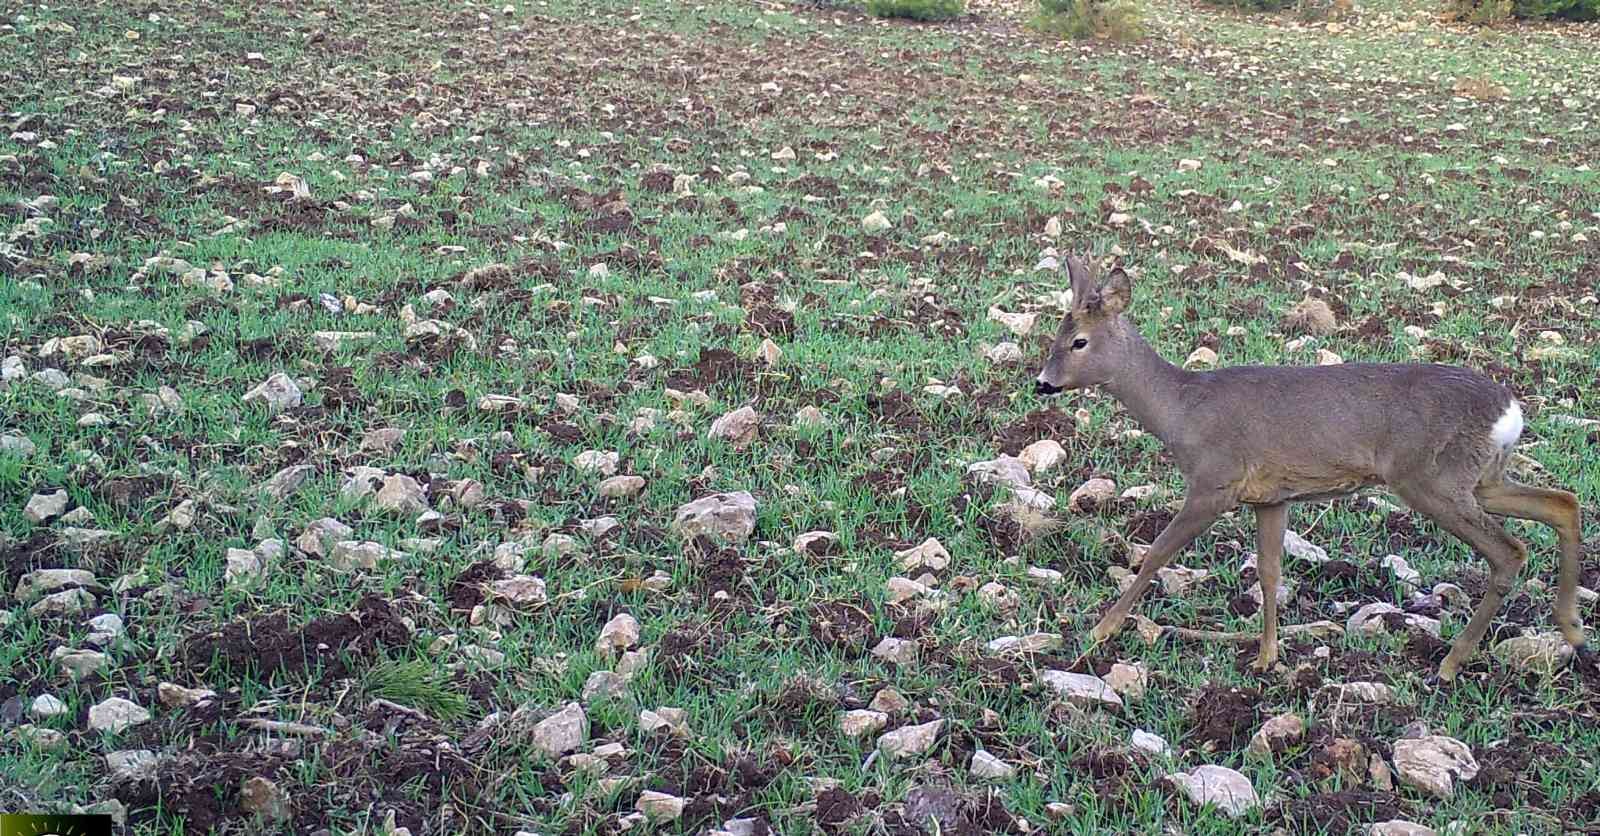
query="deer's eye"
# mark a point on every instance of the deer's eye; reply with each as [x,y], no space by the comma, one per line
[1080,343]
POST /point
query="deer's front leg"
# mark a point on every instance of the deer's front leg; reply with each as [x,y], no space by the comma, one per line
[1271,520]
[1200,510]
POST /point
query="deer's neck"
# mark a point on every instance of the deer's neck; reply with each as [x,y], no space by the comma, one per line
[1150,388]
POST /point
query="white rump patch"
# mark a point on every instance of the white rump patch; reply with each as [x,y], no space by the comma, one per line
[1508,429]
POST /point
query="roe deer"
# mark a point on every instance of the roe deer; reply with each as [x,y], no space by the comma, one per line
[1266,436]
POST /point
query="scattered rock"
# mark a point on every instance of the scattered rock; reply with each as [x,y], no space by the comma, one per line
[1081,689]
[17,445]
[1402,570]
[1432,764]
[1230,791]
[1003,353]
[815,542]
[809,417]
[321,534]
[116,714]
[382,440]
[862,722]
[599,462]
[1201,357]
[278,392]
[519,590]
[899,590]
[561,732]
[1091,494]
[43,507]
[622,487]
[725,516]
[352,555]
[46,706]
[896,651]
[1020,324]
[618,634]
[889,701]
[1004,470]
[79,664]
[1540,653]
[990,768]
[285,482]
[1154,744]
[261,797]
[910,740]
[929,554]
[738,427]
[604,685]
[1399,827]
[1297,547]
[1031,643]
[173,695]
[659,807]
[673,721]
[401,494]
[65,602]
[1043,455]
[1371,620]
[132,765]
[875,222]
[1277,734]
[41,582]
[1129,681]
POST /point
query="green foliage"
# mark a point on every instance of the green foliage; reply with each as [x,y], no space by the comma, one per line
[415,684]
[917,9]
[1119,20]
[1494,11]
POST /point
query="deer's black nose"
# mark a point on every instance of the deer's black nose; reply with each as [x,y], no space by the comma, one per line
[1042,388]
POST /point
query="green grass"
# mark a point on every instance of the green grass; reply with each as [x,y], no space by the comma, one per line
[1337,159]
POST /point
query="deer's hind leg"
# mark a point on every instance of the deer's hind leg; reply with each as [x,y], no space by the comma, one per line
[1460,514]
[1559,510]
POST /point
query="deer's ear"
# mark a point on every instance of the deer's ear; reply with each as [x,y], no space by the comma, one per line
[1082,277]
[1117,293]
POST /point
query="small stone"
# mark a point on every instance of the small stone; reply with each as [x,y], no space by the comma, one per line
[43,507]
[1154,744]
[1370,693]
[1433,764]
[1031,643]
[1541,653]
[352,555]
[519,590]
[46,706]
[875,222]
[1092,494]
[40,737]
[562,732]
[401,494]
[1129,681]
[1277,734]
[815,543]
[332,341]
[673,721]
[1019,324]
[321,534]
[929,554]
[738,427]
[910,740]
[1229,790]
[1311,316]
[40,582]
[604,685]
[618,634]
[116,714]
[286,482]
[278,392]
[1043,455]
[1296,546]
[79,664]
[1081,689]
[66,602]
[1399,827]
[1045,577]
[809,417]
[1176,580]
[173,695]
[725,516]
[382,440]
[1004,353]
[621,487]
[243,566]
[1201,357]
[862,722]
[987,767]
[598,462]
[1402,570]
[1004,470]
[265,799]
[659,807]
[132,765]
[889,701]
[900,590]
[896,651]
[17,445]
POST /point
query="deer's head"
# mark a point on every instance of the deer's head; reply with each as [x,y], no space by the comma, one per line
[1092,342]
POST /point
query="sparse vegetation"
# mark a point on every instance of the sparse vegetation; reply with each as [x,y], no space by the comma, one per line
[346,369]
[1117,20]
[916,9]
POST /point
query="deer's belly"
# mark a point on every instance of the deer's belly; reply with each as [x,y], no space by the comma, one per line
[1267,485]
